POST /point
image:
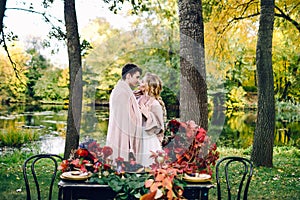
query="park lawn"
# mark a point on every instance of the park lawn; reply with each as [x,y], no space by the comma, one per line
[280,182]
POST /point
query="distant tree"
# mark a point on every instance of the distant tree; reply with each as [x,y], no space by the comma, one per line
[35,66]
[11,87]
[193,88]
[51,87]
[262,153]
[228,53]
[75,71]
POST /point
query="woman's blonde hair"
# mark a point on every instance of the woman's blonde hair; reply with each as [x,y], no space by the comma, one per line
[154,88]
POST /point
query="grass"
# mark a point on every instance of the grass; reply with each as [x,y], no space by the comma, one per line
[13,186]
[16,138]
[281,182]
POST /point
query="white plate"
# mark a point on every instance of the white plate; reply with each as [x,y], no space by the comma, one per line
[76,175]
[201,178]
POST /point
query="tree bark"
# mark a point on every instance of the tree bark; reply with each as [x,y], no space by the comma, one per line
[75,71]
[2,10]
[193,88]
[262,153]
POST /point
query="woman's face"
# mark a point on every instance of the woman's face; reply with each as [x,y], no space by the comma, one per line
[143,85]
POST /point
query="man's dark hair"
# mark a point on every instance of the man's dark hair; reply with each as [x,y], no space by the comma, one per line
[130,68]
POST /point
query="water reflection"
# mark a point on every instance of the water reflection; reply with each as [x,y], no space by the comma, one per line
[55,145]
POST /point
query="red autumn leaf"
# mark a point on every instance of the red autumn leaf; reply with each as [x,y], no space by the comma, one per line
[107,151]
[82,152]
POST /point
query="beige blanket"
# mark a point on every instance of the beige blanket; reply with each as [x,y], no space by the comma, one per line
[125,123]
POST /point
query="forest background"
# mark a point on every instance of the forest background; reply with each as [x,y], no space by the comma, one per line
[153,43]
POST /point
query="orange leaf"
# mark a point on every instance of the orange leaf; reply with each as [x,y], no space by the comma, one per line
[149,196]
[180,192]
[167,183]
[148,183]
[170,194]
[155,186]
[160,177]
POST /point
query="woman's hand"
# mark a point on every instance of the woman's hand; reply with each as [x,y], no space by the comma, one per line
[138,93]
[160,137]
[144,109]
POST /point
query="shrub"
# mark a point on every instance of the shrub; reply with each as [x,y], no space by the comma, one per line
[16,138]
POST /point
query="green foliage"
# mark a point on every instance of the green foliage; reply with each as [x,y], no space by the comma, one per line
[169,97]
[47,88]
[126,185]
[236,98]
[16,138]
[137,6]
[12,79]
[250,88]
[85,46]
[154,45]
[35,66]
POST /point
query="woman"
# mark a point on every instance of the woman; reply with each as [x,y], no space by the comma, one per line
[154,114]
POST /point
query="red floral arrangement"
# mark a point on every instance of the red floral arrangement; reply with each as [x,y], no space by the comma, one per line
[186,149]
[189,148]
[88,157]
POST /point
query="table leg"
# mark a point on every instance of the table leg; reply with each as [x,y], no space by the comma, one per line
[204,194]
[59,193]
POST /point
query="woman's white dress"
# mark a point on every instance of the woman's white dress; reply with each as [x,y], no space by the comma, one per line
[152,125]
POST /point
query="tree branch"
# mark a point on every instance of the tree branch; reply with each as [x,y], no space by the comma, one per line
[238,18]
[46,18]
[287,17]
[14,65]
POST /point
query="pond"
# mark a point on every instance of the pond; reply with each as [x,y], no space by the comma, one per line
[233,129]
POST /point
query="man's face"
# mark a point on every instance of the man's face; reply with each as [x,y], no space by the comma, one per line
[134,80]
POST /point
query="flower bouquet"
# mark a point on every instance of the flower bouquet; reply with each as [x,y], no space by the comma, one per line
[88,157]
[189,147]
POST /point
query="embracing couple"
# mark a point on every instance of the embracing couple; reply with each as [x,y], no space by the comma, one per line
[136,118]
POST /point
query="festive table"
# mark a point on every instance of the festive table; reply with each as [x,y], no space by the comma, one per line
[72,190]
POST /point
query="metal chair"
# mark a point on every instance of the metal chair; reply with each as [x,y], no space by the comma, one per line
[241,172]
[32,161]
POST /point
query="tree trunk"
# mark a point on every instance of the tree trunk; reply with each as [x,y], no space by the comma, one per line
[193,88]
[262,153]
[75,71]
[2,10]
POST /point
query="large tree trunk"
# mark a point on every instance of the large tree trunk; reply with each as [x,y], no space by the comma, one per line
[75,71]
[2,10]
[262,153]
[193,88]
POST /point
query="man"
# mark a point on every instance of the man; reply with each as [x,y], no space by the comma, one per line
[125,119]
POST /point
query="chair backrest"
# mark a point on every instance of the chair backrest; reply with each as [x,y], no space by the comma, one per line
[237,172]
[32,161]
